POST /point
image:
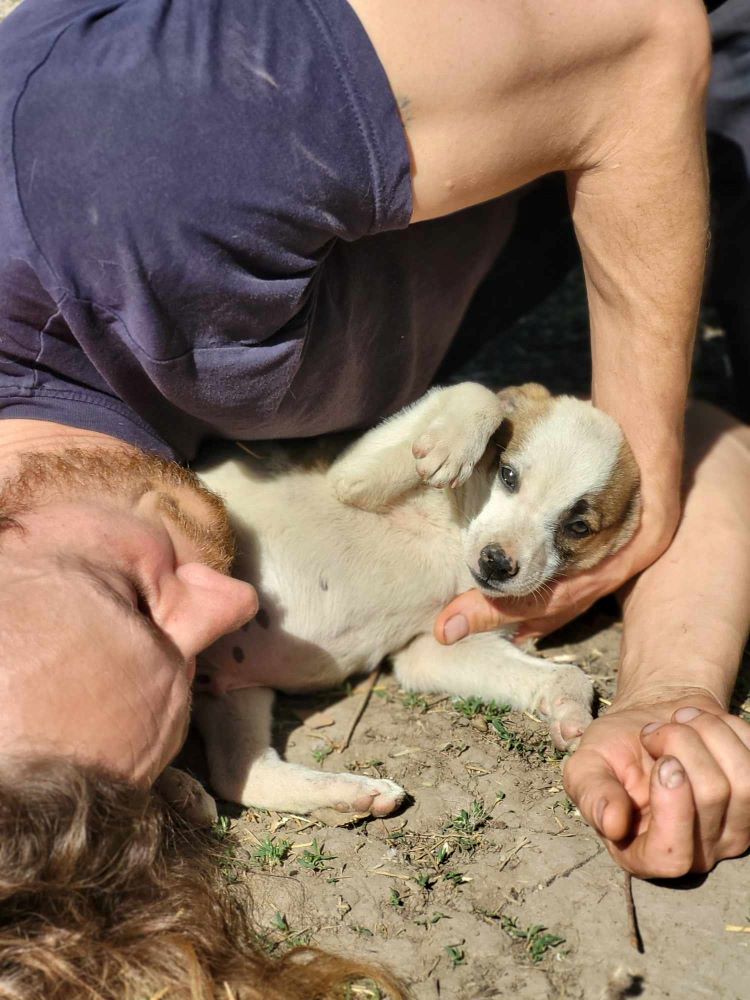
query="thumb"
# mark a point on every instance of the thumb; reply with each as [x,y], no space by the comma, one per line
[666,848]
[593,785]
[471,612]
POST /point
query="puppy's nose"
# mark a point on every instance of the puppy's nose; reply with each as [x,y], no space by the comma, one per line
[496,564]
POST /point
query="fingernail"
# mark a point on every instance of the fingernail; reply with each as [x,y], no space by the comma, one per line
[686,714]
[455,628]
[670,773]
[601,805]
[651,728]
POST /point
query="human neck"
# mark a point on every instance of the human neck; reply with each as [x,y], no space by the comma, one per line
[20,436]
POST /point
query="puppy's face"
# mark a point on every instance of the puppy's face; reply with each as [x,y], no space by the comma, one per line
[564,494]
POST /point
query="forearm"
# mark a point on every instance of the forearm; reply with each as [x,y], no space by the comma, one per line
[686,618]
[641,220]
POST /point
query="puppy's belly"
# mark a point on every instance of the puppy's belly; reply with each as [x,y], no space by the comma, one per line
[306,637]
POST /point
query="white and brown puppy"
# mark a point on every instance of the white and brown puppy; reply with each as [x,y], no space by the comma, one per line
[353,559]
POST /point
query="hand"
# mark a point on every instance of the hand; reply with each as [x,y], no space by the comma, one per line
[666,785]
[473,612]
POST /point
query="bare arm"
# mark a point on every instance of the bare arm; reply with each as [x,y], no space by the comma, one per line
[611,94]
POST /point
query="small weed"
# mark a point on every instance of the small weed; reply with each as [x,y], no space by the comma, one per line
[566,806]
[271,853]
[537,941]
[470,707]
[231,867]
[362,931]
[415,701]
[425,881]
[395,899]
[469,820]
[464,828]
[395,835]
[222,827]
[456,954]
[320,752]
[496,717]
[427,921]
[443,853]
[455,878]
[279,923]
[314,859]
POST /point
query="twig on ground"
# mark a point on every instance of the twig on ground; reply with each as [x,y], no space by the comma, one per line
[371,682]
[635,934]
[376,871]
[509,855]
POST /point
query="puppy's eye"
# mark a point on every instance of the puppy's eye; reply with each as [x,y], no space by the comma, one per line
[509,477]
[579,529]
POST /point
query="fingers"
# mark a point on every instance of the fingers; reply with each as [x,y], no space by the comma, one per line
[666,848]
[593,785]
[710,785]
[715,751]
[473,612]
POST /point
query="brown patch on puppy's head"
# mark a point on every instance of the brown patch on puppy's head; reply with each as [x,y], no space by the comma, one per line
[601,523]
[526,405]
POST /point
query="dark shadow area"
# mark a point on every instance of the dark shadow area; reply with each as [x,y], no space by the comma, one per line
[728,286]
[599,617]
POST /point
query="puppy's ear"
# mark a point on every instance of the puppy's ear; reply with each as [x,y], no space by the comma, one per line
[524,405]
[516,396]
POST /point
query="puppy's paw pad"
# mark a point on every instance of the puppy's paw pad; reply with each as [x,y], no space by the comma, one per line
[566,733]
[377,796]
[445,457]
[566,705]
[568,721]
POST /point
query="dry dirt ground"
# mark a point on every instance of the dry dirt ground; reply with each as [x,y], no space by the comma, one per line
[488,883]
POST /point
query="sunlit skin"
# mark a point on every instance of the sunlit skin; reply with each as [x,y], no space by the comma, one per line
[104,607]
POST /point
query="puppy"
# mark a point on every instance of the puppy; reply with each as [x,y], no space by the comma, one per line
[353,559]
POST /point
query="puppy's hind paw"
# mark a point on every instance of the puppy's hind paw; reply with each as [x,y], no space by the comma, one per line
[358,490]
[567,706]
[377,796]
[567,730]
[187,796]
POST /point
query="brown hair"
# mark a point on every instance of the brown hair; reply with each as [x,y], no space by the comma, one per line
[107,894]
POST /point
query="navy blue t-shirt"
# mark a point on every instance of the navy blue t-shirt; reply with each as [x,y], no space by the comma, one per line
[204,208]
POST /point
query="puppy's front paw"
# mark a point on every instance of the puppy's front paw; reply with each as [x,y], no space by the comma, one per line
[446,455]
[566,704]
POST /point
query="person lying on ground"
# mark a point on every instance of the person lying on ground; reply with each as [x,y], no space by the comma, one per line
[254,220]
